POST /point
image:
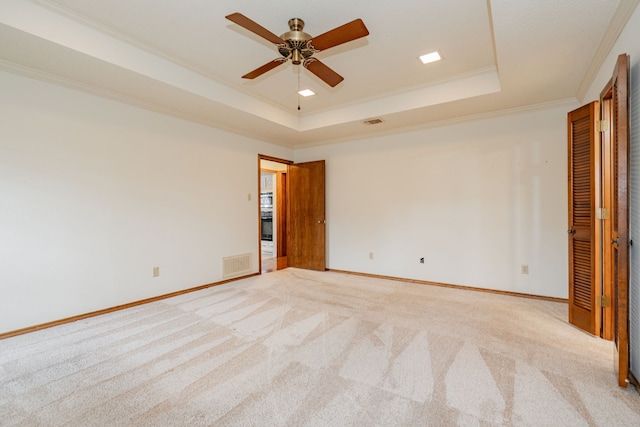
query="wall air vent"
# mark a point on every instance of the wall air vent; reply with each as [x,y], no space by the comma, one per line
[373,121]
[237,265]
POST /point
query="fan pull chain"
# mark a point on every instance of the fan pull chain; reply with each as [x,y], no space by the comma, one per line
[298,88]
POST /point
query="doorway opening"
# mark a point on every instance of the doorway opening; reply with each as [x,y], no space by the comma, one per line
[273,213]
[292,230]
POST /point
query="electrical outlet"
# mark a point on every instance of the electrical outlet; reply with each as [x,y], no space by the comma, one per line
[524,269]
[370,255]
[156,271]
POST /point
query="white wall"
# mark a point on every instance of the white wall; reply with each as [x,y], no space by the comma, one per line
[477,200]
[628,42]
[94,194]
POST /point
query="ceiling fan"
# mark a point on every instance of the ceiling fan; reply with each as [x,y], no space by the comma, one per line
[300,46]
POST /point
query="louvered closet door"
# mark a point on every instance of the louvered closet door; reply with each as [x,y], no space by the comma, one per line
[582,222]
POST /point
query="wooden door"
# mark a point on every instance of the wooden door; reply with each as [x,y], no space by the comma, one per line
[281,220]
[616,95]
[306,220]
[582,220]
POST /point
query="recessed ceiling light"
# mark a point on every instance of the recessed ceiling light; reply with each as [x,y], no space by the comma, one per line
[430,57]
[306,92]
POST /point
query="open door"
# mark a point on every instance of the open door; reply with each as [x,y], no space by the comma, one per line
[583,282]
[615,101]
[306,219]
[281,220]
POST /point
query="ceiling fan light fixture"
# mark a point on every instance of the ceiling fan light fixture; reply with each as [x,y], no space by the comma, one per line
[306,92]
[430,57]
[299,47]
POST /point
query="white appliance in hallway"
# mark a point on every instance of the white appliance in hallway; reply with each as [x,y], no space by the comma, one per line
[266,214]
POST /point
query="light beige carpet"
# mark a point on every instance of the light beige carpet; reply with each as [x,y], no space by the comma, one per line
[301,348]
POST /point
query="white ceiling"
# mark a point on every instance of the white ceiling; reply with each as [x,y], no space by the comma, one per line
[184,58]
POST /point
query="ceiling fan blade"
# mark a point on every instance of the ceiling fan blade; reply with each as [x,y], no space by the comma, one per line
[261,70]
[345,33]
[325,73]
[254,27]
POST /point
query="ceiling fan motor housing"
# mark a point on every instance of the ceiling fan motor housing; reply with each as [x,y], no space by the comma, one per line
[295,43]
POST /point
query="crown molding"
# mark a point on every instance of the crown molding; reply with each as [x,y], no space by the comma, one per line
[57,80]
[618,21]
[568,103]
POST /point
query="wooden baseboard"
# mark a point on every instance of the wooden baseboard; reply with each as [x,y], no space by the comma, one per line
[116,308]
[173,294]
[445,285]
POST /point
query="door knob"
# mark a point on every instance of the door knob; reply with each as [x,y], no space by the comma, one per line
[571,231]
[616,241]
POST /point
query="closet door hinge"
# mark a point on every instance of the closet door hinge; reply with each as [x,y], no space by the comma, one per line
[602,213]
[602,125]
[603,301]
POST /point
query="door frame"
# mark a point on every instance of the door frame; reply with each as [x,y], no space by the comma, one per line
[281,261]
[605,195]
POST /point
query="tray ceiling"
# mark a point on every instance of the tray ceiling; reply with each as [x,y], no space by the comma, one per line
[185,59]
